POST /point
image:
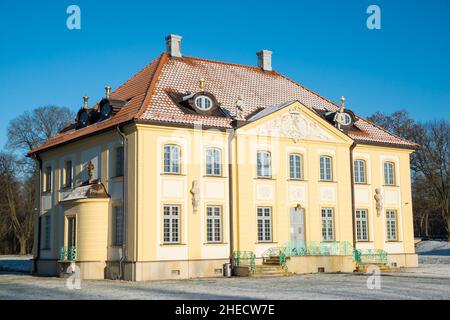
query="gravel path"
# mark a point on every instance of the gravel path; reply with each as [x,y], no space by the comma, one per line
[314,286]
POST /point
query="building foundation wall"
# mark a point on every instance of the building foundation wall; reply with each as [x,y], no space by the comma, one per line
[169,270]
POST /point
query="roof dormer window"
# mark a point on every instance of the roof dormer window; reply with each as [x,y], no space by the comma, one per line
[345,119]
[203,103]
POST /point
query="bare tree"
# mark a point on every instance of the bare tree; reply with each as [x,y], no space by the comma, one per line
[18,174]
[31,129]
[432,162]
[15,205]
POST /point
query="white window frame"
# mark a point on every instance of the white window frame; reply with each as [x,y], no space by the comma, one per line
[118,226]
[68,174]
[171,223]
[327,224]
[263,164]
[389,173]
[359,171]
[172,159]
[118,161]
[391,225]
[203,103]
[264,224]
[213,162]
[295,166]
[214,224]
[362,224]
[48,176]
[326,168]
[47,231]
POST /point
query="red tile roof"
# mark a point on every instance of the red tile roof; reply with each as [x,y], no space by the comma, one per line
[148,97]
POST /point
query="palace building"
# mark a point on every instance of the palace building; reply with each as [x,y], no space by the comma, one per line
[194,163]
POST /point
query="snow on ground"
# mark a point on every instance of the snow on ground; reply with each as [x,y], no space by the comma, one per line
[16,263]
[433,248]
[433,252]
[308,286]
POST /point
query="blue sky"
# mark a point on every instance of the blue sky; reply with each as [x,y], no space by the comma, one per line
[324,45]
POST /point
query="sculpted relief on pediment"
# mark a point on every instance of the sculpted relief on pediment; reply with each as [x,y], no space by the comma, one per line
[293,125]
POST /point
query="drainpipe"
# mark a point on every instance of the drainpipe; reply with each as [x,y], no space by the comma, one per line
[38,245]
[231,136]
[352,183]
[124,203]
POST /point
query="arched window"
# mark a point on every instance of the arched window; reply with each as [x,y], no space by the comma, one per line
[359,168]
[389,173]
[213,162]
[172,159]
[263,164]
[325,168]
[295,166]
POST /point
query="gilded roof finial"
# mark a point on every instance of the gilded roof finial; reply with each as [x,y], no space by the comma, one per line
[86,102]
[108,91]
[201,83]
[342,102]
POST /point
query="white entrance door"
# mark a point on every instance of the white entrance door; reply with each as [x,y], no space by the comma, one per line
[297,225]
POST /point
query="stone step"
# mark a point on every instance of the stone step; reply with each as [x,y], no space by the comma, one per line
[269,271]
[271,263]
[268,275]
[382,267]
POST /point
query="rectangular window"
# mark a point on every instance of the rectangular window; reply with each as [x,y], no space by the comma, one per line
[359,167]
[47,231]
[68,174]
[327,224]
[118,226]
[263,164]
[71,232]
[325,168]
[119,162]
[362,233]
[389,170]
[214,223]
[171,224]
[48,179]
[264,224]
[213,162]
[295,166]
[391,225]
[171,159]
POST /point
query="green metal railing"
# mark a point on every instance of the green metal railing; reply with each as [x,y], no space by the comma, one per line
[244,259]
[302,248]
[369,256]
[68,253]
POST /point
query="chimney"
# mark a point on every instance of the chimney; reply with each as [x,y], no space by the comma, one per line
[265,60]
[173,45]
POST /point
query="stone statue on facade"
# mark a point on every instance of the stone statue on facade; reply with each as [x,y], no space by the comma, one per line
[90,171]
[195,191]
[379,200]
[239,109]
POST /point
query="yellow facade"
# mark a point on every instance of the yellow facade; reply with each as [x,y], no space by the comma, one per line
[237,190]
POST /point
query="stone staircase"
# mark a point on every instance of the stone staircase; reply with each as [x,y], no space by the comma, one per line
[270,268]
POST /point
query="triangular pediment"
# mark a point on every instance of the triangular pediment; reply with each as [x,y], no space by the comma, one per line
[294,121]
